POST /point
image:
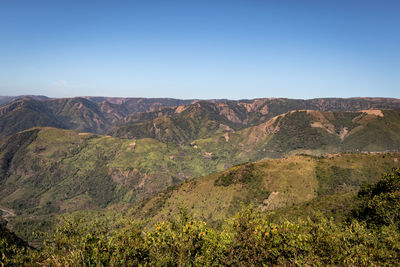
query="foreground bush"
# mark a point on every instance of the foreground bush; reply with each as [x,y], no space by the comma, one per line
[316,241]
[380,202]
[370,238]
[250,239]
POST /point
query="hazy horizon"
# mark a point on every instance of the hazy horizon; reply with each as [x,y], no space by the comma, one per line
[233,99]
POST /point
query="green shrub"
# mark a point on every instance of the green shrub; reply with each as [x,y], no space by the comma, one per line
[186,242]
[249,239]
[380,202]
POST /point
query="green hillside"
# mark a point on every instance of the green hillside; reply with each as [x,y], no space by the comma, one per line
[184,124]
[323,183]
[310,132]
[45,170]
[369,235]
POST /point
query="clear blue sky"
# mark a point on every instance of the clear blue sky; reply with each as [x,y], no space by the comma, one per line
[200,49]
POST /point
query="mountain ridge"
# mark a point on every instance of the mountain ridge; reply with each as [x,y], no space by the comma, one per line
[102,114]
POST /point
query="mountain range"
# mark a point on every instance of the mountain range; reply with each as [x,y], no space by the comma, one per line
[90,153]
[121,116]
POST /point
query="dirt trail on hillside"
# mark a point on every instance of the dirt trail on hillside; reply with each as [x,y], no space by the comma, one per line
[7,214]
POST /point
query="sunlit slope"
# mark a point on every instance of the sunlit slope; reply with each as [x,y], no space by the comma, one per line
[269,185]
[185,124]
[311,132]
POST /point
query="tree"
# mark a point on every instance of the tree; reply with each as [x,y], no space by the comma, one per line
[380,202]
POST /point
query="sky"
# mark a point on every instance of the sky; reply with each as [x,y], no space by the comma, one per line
[200,49]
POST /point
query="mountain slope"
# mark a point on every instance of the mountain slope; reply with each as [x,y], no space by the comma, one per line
[51,170]
[8,99]
[268,184]
[312,132]
[184,124]
[26,113]
[81,114]
[101,114]
[68,113]
[116,109]
[45,170]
